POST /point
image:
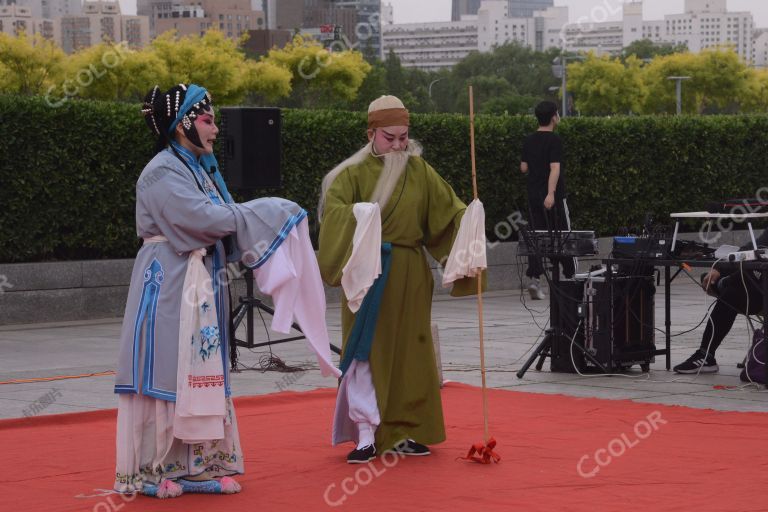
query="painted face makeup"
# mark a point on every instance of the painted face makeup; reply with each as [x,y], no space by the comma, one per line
[205,125]
[391,138]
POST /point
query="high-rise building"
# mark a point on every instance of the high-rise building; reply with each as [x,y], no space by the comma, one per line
[15,19]
[526,8]
[48,9]
[188,17]
[431,46]
[461,8]
[356,23]
[261,41]
[100,20]
[287,14]
[367,31]
[704,24]
[760,48]
[387,14]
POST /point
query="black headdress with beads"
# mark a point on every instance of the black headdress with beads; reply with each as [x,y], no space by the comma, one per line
[180,104]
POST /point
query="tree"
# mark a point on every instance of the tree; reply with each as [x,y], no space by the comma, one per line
[528,73]
[372,87]
[320,77]
[29,65]
[217,62]
[718,79]
[756,99]
[602,85]
[111,72]
[645,49]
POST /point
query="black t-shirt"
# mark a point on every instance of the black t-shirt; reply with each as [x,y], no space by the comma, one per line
[539,150]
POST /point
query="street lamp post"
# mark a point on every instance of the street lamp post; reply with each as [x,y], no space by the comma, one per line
[560,70]
[679,90]
[563,88]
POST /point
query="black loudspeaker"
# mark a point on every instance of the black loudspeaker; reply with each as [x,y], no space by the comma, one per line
[250,152]
[585,317]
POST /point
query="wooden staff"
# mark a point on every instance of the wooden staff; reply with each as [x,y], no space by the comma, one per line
[480,274]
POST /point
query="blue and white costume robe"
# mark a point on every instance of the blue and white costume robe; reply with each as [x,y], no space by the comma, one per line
[174,216]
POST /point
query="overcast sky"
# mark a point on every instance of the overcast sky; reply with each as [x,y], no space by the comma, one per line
[407,11]
[440,10]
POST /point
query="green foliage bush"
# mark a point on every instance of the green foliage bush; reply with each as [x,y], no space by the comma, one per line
[68,174]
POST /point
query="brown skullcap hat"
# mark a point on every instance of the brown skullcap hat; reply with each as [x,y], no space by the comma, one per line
[387,111]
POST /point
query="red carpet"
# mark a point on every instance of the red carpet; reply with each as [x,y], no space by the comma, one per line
[652,458]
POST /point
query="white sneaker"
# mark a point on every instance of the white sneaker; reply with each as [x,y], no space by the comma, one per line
[536,292]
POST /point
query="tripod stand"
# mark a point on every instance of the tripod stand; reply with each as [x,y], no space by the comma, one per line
[547,347]
[244,311]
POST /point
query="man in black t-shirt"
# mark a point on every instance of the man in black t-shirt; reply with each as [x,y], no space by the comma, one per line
[542,161]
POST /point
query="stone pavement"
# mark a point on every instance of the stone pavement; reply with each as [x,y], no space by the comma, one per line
[511,332]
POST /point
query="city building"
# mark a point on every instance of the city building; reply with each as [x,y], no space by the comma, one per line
[760,48]
[100,20]
[461,8]
[387,14]
[47,9]
[261,41]
[703,24]
[357,24]
[496,27]
[527,8]
[187,17]
[431,46]
[367,32]
[15,19]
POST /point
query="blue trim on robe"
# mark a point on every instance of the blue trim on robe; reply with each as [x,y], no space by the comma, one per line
[150,294]
[292,221]
[221,316]
[360,340]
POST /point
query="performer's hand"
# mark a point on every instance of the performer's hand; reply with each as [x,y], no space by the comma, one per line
[549,201]
[709,281]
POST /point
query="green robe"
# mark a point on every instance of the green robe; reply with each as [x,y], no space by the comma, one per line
[423,211]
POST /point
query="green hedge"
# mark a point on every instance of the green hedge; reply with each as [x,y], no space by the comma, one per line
[67,175]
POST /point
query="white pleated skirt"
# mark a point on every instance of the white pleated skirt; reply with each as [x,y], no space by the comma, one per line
[148,452]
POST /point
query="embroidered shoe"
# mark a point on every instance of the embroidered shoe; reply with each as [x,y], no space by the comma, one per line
[166,489]
[698,363]
[362,455]
[411,448]
[225,485]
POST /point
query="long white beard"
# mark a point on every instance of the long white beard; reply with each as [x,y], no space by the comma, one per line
[394,165]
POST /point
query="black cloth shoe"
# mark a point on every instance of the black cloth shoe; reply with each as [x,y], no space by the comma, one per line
[362,455]
[411,448]
[707,364]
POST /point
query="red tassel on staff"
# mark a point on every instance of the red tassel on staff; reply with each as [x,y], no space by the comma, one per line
[480,452]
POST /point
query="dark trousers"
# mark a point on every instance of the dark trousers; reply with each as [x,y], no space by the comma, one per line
[558,219]
[732,300]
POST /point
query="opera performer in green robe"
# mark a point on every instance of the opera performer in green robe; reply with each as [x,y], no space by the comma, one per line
[389,395]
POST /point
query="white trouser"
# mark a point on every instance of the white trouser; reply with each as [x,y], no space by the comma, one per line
[357,411]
